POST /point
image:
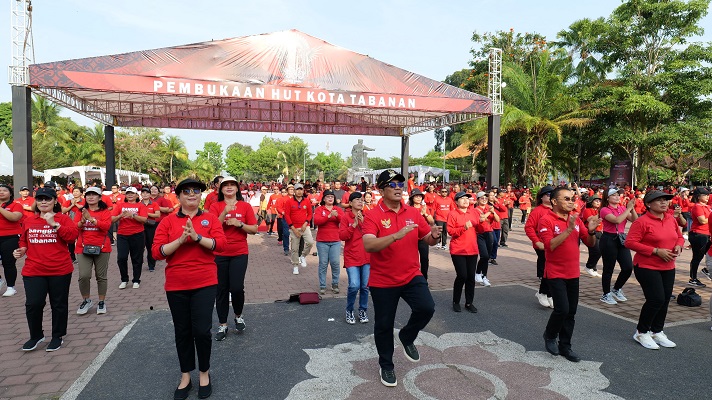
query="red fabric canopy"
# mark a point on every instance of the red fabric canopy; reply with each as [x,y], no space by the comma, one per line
[278,82]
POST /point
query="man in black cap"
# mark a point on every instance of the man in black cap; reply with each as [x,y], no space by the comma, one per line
[391,232]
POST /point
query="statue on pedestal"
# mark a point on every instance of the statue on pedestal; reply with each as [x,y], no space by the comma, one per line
[359,158]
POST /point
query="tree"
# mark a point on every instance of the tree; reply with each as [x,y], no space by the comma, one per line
[90,149]
[293,154]
[175,147]
[141,150]
[380,163]
[238,160]
[333,165]
[6,122]
[212,154]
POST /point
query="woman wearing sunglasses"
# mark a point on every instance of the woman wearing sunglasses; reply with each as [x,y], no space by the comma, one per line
[615,216]
[187,241]
[48,267]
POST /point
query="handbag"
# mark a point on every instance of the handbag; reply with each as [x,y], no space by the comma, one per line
[689,298]
[90,250]
[621,236]
[309,298]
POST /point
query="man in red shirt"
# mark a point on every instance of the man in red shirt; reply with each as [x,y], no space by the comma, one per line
[297,215]
[395,270]
[26,201]
[442,205]
[560,232]
[504,206]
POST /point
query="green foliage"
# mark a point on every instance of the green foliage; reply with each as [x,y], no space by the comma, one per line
[211,158]
[237,161]
[333,165]
[6,122]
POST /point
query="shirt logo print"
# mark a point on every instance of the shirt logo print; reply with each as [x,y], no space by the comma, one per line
[386,223]
[205,222]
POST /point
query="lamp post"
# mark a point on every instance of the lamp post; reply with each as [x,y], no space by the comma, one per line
[445,131]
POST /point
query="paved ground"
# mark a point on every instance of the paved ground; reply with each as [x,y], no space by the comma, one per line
[602,332]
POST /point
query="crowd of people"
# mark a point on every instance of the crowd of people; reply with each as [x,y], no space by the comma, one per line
[202,233]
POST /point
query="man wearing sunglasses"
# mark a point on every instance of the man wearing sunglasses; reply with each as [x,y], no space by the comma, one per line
[391,232]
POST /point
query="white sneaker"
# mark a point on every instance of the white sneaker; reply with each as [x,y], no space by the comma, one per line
[101,308]
[136,285]
[438,246]
[661,339]
[542,299]
[478,278]
[618,295]
[446,247]
[592,272]
[123,285]
[685,236]
[551,302]
[303,261]
[295,271]
[645,340]
[485,281]
[9,292]
[608,299]
[84,307]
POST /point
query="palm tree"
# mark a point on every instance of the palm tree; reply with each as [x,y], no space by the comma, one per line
[580,39]
[175,147]
[44,114]
[90,149]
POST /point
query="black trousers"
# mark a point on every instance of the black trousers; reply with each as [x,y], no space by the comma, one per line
[280,221]
[71,246]
[657,289]
[385,303]
[612,250]
[424,251]
[231,280]
[524,215]
[133,244]
[565,293]
[465,267]
[36,290]
[540,264]
[594,253]
[505,231]
[8,244]
[443,238]
[192,312]
[149,231]
[699,243]
[485,241]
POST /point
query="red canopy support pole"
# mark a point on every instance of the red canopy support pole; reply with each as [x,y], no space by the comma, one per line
[21,137]
[493,150]
[110,151]
[405,145]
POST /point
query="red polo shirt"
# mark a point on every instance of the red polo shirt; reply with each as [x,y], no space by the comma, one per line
[328,226]
[191,266]
[698,210]
[296,213]
[29,202]
[355,254]
[649,232]
[530,227]
[486,225]
[588,213]
[129,226]
[7,227]
[399,263]
[562,262]
[464,240]
[210,199]
[236,237]
[151,208]
[94,234]
[47,252]
[442,207]
[160,202]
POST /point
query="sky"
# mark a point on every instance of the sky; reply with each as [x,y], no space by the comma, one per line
[426,37]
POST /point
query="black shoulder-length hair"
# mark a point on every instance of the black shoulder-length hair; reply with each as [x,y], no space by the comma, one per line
[12,196]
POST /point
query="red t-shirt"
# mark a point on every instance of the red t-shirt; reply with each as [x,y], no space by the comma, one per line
[464,240]
[328,226]
[236,237]
[115,198]
[296,213]
[502,207]
[700,210]
[47,251]
[94,234]
[649,232]
[151,208]
[129,226]
[530,227]
[683,203]
[272,206]
[7,227]
[429,199]
[162,202]
[210,199]
[640,206]
[562,262]
[75,208]
[399,263]
[191,266]
[29,202]
[525,201]
[355,254]
[442,207]
[486,225]
[588,213]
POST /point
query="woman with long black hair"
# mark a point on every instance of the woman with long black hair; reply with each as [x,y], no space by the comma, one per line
[10,229]
[615,216]
[485,238]
[700,233]
[543,207]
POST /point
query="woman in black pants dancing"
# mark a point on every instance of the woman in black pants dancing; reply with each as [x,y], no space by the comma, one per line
[614,217]
[700,232]
[543,207]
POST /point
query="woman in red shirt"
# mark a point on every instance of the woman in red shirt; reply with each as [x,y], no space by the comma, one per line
[593,206]
[657,241]
[153,214]
[187,240]
[485,238]
[93,248]
[417,201]
[368,201]
[238,221]
[543,201]
[525,204]
[356,259]
[10,229]
[131,214]
[48,267]
[462,223]
[700,232]
[327,217]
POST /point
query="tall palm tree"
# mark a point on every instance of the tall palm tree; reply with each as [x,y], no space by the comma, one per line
[44,114]
[580,39]
[175,147]
[90,149]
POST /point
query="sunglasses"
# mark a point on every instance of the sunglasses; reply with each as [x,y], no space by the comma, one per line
[191,191]
[43,198]
[395,184]
[567,199]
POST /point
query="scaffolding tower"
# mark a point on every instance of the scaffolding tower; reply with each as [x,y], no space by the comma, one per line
[494,87]
[22,43]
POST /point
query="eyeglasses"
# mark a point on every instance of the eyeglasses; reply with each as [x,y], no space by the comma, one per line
[191,191]
[443,191]
[567,199]
[394,185]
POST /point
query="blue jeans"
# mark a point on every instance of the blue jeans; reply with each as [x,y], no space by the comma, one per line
[495,244]
[329,253]
[285,235]
[358,282]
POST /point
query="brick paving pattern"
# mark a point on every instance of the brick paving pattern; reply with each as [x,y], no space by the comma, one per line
[42,375]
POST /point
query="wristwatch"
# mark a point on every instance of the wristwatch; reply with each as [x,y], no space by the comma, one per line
[198,238]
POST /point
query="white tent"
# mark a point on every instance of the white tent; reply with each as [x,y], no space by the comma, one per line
[6,158]
[420,170]
[87,172]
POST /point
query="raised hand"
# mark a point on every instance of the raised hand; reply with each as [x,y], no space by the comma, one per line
[49,217]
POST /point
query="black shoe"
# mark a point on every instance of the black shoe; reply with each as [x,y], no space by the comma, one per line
[493,261]
[182,394]
[706,272]
[471,308]
[411,352]
[551,346]
[205,391]
[240,324]
[695,282]
[222,333]
[503,245]
[388,378]
[456,307]
[54,344]
[569,355]
[32,344]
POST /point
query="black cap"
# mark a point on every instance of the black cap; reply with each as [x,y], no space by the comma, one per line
[353,184]
[190,182]
[699,191]
[546,189]
[24,188]
[388,176]
[46,192]
[327,193]
[416,192]
[146,189]
[355,195]
[656,194]
[460,195]
[50,184]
